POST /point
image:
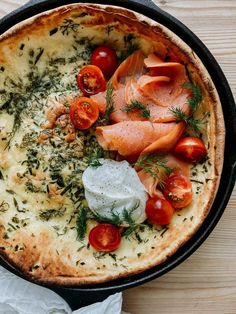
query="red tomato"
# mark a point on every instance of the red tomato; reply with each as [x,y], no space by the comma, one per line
[83,112]
[105,237]
[91,80]
[159,211]
[106,59]
[178,190]
[190,149]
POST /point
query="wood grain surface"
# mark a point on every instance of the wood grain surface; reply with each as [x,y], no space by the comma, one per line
[206,282]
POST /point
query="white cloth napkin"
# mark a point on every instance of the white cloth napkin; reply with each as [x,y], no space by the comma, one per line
[18,296]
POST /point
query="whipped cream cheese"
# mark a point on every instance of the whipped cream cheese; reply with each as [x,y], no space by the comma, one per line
[113,187]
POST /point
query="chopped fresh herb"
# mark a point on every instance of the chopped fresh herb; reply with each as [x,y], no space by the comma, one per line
[130,230]
[68,26]
[130,46]
[81,223]
[29,186]
[53,31]
[15,220]
[196,181]
[5,236]
[137,236]
[58,179]
[51,213]
[99,255]
[83,14]
[135,105]
[11,225]
[67,188]
[129,38]
[1,175]
[196,99]
[156,166]
[4,206]
[22,46]
[164,231]
[93,159]
[15,204]
[95,163]
[81,247]
[41,50]
[10,191]
[112,255]
[109,29]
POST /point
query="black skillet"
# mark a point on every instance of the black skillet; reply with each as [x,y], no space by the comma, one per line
[84,295]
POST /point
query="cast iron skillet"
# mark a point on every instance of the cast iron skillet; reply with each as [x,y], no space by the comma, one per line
[83,295]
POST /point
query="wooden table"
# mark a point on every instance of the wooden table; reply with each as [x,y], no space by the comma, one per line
[206,282]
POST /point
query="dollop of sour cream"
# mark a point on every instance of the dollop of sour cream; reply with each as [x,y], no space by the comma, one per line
[113,187]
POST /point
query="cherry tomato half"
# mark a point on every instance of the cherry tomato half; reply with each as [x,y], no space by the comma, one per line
[83,112]
[178,190]
[159,211]
[190,149]
[91,80]
[105,237]
[106,59]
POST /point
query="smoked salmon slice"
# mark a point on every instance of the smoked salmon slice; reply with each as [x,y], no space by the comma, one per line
[153,61]
[130,67]
[125,96]
[171,94]
[159,90]
[139,137]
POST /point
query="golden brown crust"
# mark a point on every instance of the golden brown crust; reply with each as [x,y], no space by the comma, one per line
[39,260]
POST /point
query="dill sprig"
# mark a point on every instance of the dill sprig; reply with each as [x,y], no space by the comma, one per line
[81,223]
[93,159]
[156,166]
[137,105]
[120,219]
[194,102]
[193,123]
[196,99]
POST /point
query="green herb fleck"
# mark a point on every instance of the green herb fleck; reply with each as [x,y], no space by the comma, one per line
[51,213]
[81,223]
[112,255]
[53,31]
[99,255]
[164,231]
[68,26]
[4,206]
[136,105]
[38,56]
